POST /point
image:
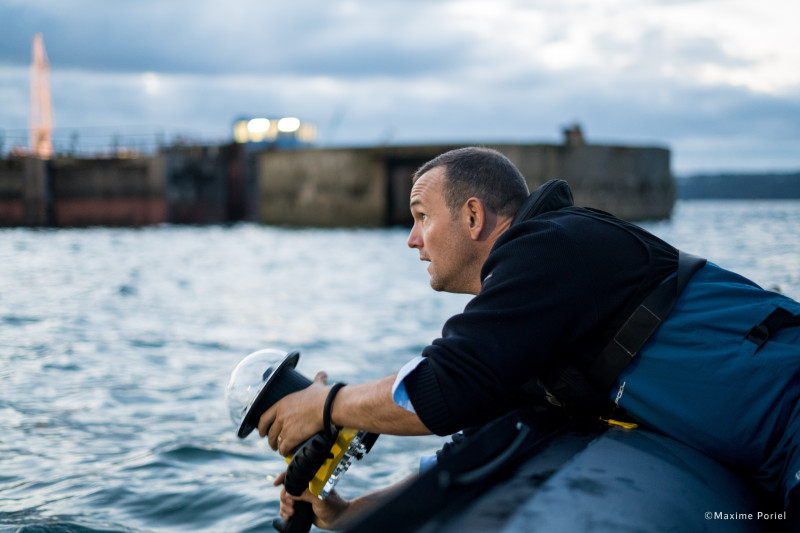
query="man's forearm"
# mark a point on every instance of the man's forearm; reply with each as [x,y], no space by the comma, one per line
[359,506]
[337,513]
[370,407]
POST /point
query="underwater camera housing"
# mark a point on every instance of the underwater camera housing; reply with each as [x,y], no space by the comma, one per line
[259,381]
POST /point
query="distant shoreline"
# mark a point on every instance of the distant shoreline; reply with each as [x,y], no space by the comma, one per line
[730,186]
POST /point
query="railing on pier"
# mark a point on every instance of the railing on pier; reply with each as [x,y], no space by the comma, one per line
[99,143]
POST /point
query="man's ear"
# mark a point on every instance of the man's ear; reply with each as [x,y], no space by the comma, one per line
[475,212]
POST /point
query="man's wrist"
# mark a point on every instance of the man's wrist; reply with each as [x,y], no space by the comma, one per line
[327,417]
[336,515]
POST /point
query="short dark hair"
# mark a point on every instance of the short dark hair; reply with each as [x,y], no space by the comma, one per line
[483,173]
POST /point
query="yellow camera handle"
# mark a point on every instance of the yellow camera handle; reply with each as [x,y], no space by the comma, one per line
[345,437]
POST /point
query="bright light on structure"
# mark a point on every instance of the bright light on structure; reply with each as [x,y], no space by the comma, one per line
[258,125]
[288,124]
[240,132]
[283,132]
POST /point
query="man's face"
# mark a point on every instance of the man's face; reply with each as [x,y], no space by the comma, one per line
[440,239]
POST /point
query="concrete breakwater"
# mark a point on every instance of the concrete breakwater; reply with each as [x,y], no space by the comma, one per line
[364,187]
[195,185]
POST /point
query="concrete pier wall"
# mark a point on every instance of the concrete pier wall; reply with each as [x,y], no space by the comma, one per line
[12,183]
[182,184]
[113,192]
[208,184]
[367,187]
[633,183]
[322,188]
[370,186]
[81,192]
[25,196]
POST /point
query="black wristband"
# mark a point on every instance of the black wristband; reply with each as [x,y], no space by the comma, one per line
[326,411]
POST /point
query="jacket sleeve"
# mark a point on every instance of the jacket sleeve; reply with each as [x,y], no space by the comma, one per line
[536,297]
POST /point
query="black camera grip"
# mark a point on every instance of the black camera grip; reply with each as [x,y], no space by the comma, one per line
[300,521]
[305,463]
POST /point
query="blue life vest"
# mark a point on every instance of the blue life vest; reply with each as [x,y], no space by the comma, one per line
[722,374]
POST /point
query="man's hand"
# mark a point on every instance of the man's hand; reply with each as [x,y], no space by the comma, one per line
[328,513]
[334,512]
[296,417]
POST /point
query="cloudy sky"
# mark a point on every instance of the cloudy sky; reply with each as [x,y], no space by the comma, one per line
[717,81]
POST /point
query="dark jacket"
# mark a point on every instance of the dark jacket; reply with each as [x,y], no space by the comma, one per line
[555,288]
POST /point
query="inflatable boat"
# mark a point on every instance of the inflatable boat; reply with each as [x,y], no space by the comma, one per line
[529,472]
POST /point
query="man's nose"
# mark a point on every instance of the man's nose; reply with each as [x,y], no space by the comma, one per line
[414,238]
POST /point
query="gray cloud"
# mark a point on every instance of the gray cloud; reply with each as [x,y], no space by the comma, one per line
[411,71]
[233,38]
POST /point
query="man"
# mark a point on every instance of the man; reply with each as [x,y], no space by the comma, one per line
[553,283]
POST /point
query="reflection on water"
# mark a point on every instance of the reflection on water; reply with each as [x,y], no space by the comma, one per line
[115,346]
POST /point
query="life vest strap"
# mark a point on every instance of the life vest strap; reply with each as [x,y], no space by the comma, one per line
[778,319]
[642,323]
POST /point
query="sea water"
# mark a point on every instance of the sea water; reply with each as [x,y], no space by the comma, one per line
[116,345]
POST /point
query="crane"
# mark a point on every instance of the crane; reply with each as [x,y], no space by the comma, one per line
[41,126]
